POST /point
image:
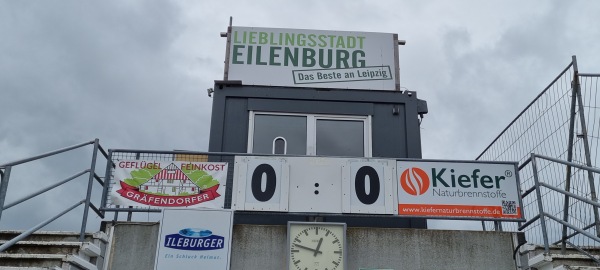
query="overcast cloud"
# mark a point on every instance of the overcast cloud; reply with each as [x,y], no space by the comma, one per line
[72,71]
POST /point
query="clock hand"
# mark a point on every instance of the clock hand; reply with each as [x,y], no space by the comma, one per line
[311,249]
[318,247]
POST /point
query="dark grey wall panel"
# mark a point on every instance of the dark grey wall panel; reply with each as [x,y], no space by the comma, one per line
[235,131]
[315,94]
[310,106]
[389,131]
[413,134]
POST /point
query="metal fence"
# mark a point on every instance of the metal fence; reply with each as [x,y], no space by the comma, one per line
[562,124]
[564,225]
[5,176]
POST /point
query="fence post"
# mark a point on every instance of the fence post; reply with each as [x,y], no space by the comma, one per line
[129,213]
[107,180]
[4,176]
[540,204]
[89,191]
[116,215]
[586,145]
[569,158]
[498,226]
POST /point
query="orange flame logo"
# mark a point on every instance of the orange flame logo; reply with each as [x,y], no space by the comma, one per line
[414,181]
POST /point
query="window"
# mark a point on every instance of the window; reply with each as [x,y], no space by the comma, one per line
[309,134]
[269,127]
[340,138]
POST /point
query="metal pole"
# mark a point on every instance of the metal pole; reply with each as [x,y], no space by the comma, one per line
[51,153]
[540,204]
[586,146]
[227,51]
[89,191]
[397,60]
[116,216]
[130,213]
[107,180]
[569,159]
[44,190]
[3,187]
[573,164]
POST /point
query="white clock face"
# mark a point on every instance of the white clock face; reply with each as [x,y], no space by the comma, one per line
[316,246]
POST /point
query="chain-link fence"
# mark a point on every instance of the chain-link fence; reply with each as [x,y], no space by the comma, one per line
[562,122]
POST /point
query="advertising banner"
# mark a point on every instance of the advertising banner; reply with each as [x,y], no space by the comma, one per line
[458,190]
[167,184]
[194,239]
[313,58]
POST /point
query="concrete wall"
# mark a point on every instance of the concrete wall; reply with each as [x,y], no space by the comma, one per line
[132,245]
[263,247]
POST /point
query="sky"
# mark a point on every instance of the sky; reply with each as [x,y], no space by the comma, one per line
[72,71]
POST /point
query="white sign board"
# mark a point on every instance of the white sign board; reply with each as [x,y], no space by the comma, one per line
[458,189]
[169,184]
[314,184]
[370,186]
[194,239]
[264,187]
[313,58]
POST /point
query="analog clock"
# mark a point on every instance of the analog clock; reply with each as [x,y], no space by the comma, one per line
[316,246]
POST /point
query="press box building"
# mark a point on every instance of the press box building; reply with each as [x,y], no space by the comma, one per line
[345,102]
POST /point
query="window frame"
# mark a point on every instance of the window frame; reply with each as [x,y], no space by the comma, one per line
[311,129]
